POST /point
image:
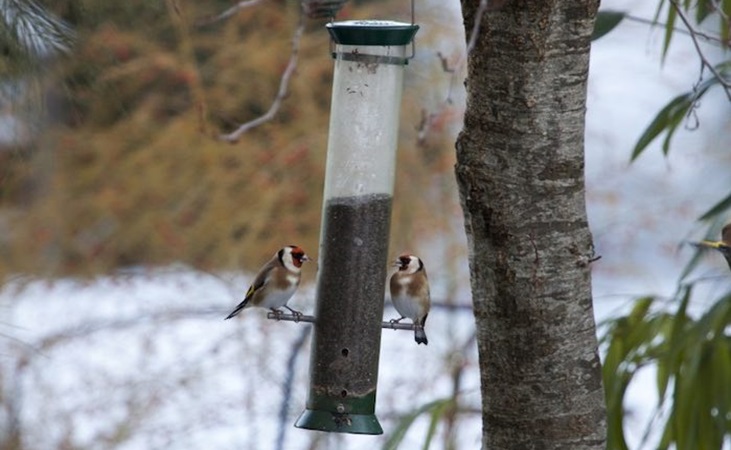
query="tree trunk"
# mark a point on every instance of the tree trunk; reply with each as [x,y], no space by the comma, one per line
[520,169]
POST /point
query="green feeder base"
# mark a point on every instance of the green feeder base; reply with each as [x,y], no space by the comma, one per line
[340,423]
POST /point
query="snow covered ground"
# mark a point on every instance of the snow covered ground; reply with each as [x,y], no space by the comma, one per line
[144,360]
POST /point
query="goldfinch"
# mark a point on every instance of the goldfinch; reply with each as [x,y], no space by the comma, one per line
[276,282]
[723,246]
[410,293]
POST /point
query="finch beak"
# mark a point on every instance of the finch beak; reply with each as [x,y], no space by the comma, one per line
[710,244]
[306,258]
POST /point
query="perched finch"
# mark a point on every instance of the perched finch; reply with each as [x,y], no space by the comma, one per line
[410,293]
[723,246]
[276,281]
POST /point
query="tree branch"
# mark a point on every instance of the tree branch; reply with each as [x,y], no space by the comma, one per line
[427,118]
[287,388]
[281,93]
[644,21]
[476,27]
[705,63]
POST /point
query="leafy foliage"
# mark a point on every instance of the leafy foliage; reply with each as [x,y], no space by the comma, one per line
[435,411]
[692,355]
[679,109]
[606,21]
[693,360]
[671,116]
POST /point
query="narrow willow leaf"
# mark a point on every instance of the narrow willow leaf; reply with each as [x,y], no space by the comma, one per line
[724,375]
[407,421]
[717,209]
[689,399]
[614,393]
[702,10]
[674,123]
[606,21]
[670,117]
[639,311]
[658,11]
[667,434]
[721,374]
[662,121]
[697,255]
[705,402]
[437,413]
[669,29]
[681,318]
[725,29]
[663,376]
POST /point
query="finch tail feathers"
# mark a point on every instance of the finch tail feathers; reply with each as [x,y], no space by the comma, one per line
[238,309]
[420,335]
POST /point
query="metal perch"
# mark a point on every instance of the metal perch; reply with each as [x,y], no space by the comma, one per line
[311,319]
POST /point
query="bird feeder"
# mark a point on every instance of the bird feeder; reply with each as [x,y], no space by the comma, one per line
[361,157]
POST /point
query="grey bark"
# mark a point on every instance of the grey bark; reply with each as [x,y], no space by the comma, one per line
[520,170]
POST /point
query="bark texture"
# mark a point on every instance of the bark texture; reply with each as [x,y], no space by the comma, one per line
[520,169]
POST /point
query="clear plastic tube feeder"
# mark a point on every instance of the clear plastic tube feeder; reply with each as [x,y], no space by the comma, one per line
[361,157]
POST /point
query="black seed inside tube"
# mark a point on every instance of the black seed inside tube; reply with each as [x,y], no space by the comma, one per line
[350,291]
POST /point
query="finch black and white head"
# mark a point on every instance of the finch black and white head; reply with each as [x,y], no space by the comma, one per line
[410,293]
[276,281]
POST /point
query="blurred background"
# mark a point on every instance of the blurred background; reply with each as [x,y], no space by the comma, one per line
[120,164]
[129,229]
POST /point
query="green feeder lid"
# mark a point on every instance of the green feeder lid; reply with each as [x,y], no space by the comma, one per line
[372,32]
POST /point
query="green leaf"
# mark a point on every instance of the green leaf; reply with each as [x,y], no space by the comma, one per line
[669,29]
[657,11]
[665,119]
[605,22]
[408,419]
[639,311]
[725,29]
[436,415]
[702,10]
[670,117]
[717,209]
[664,358]
[668,434]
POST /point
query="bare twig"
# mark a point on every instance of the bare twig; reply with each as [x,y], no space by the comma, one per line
[92,327]
[476,26]
[456,70]
[297,346]
[644,21]
[718,8]
[227,13]
[705,63]
[281,93]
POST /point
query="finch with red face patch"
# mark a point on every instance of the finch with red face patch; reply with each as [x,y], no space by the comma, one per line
[276,282]
[410,293]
